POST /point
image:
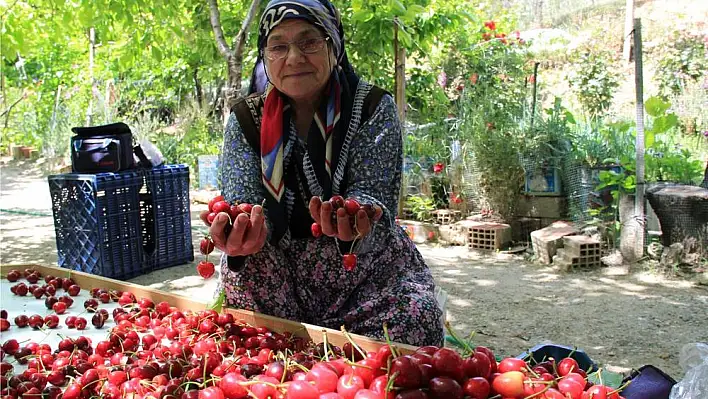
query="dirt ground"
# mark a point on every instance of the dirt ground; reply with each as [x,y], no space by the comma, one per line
[622,317]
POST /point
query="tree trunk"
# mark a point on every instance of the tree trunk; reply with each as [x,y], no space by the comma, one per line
[92,50]
[628,25]
[198,92]
[538,13]
[232,55]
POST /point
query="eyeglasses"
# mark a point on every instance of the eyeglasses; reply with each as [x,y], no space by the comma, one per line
[306,46]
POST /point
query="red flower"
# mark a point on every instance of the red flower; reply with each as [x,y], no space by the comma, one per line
[460,87]
[486,36]
[473,78]
[438,167]
[490,126]
[491,25]
[532,79]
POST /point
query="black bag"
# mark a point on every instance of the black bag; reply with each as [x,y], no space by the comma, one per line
[99,149]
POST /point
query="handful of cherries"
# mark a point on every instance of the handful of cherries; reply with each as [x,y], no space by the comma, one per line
[218,204]
[352,208]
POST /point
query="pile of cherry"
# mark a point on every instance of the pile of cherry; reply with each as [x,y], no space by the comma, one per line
[159,351]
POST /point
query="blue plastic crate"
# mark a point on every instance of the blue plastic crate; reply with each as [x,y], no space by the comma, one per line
[97,223]
[166,217]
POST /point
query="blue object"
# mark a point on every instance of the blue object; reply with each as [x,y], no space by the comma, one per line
[542,352]
[166,217]
[648,382]
[97,223]
[543,182]
[208,167]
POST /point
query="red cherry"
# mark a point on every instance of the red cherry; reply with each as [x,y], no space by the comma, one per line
[349,262]
[214,201]
[205,269]
[59,307]
[316,230]
[351,206]
[221,206]
[4,325]
[52,320]
[80,323]
[245,208]
[13,275]
[210,217]
[73,290]
[21,321]
[206,246]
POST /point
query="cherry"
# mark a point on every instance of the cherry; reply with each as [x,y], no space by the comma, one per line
[4,325]
[21,289]
[50,290]
[511,364]
[490,355]
[80,323]
[567,365]
[38,292]
[54,283]
[509,384]
[348,385]
[349,261]
[477,365]
[408,373]
[70,321]
[205,269]
[36,321]
[234,211]
[52,320]
[301,390]
[447,362]
[221,206]
[50,301]
[210,217]
[351,206]
[3,314]
[316,230]
[73,290]
[59,307]
[13,276]
[206,246]
[10,346]
[571,388]
[32,278]
[98,320]
[91,305]
[104,297]
[444,388]
[214,201]
[245,208]
[477,388]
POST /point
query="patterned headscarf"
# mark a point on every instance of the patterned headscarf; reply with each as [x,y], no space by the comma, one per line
[330,121]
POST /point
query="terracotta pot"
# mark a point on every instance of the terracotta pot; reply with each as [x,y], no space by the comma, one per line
[26,151]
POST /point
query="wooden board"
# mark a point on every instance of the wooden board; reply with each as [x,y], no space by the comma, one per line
[315,333]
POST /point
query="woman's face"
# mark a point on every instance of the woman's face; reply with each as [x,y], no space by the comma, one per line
[299,76]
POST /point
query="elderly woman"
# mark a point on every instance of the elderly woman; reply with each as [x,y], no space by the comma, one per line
[313,130]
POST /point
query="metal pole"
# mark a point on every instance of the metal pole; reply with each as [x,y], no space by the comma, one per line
[639,84]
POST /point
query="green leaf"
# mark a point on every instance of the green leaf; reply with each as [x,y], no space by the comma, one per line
[397,7]
[649,139]
[655,106]
[662,124]
[607,378]
[569,117]
[219,302]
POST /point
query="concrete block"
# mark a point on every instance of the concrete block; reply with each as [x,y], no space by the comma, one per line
[454,234]
[541,207]
[547,240]
[581,246]
[420,232]
[487,235]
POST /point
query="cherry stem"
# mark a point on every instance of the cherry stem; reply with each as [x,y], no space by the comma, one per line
[354,344]
[454,335]
[387,337]
[326,345]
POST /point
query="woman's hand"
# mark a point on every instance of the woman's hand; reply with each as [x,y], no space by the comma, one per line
[322,213]
[246,237]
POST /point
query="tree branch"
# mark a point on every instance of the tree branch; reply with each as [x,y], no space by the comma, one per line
[240,39]
[215,19]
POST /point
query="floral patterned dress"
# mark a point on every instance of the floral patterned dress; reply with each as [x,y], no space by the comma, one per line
[302,278]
